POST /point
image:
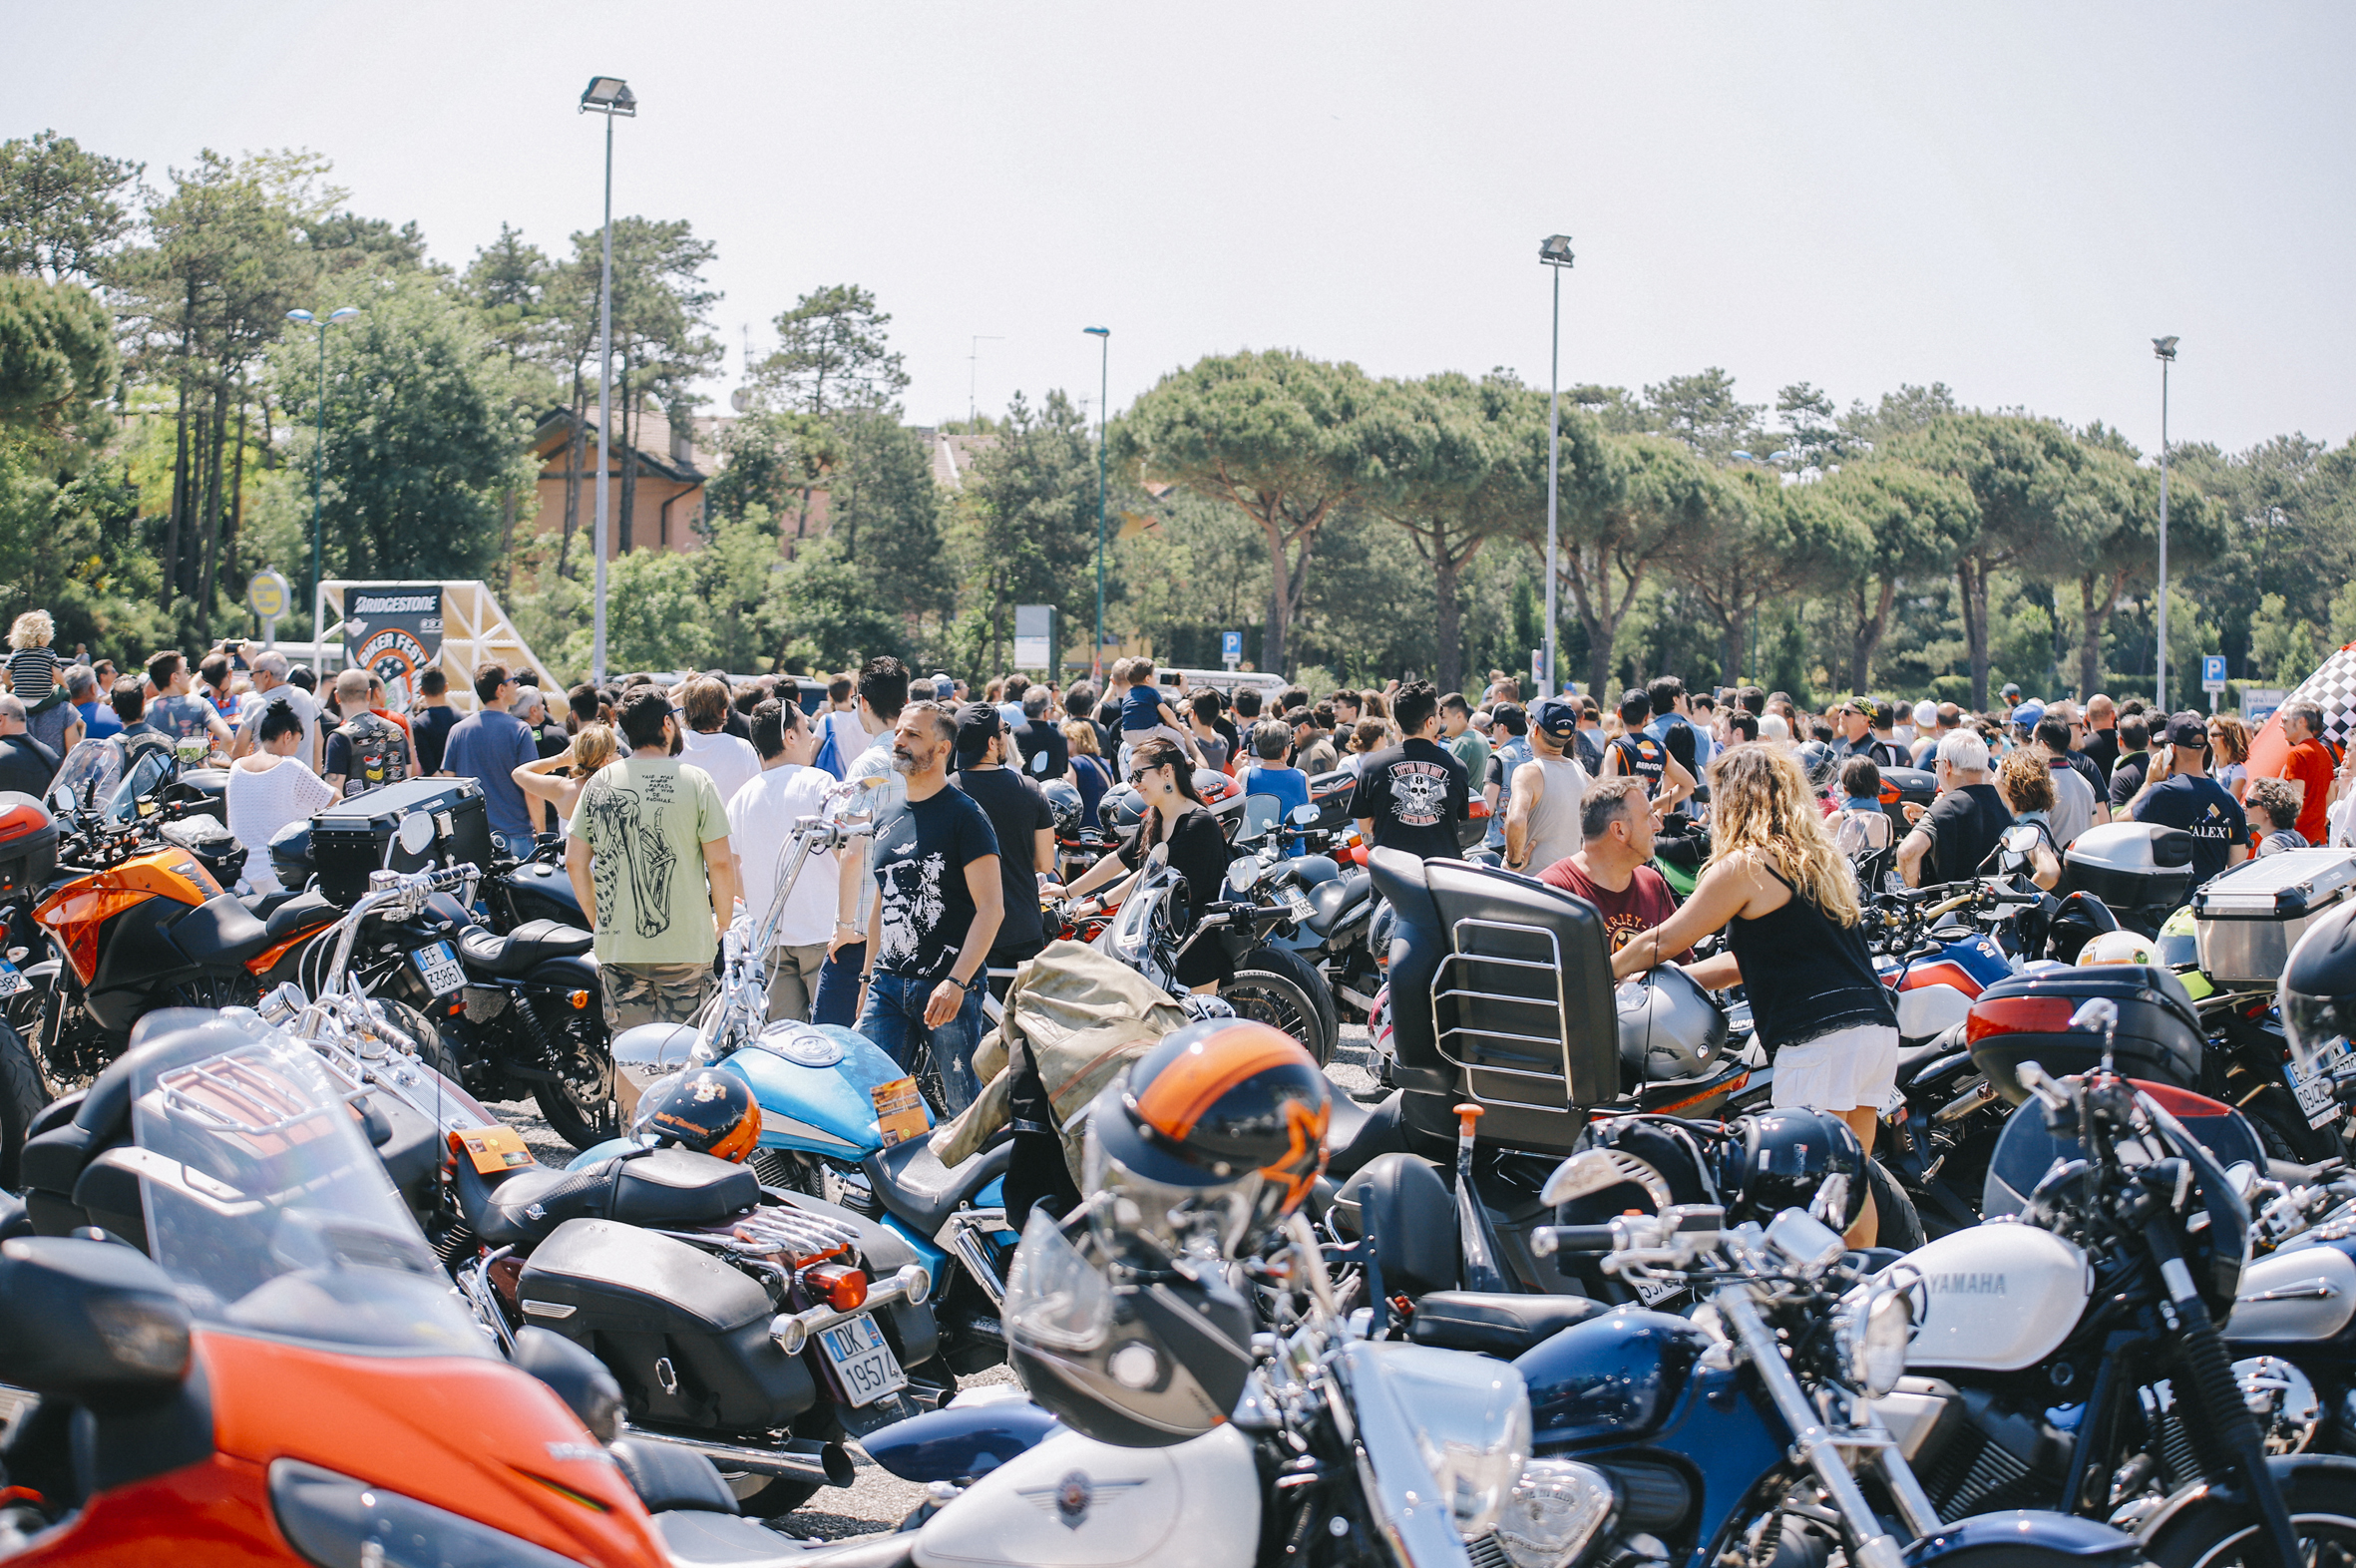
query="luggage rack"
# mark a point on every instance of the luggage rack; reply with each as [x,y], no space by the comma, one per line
[1498,1012]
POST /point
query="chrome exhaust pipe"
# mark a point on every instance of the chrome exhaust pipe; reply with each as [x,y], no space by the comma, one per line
[801,1459]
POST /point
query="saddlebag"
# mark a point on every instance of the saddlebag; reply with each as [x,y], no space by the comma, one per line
[348,839]
[2027,1018]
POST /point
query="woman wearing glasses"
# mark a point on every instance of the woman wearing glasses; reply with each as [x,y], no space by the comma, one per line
[2229,746]
[1180,830]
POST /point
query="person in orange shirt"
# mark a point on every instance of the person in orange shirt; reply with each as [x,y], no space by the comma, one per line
[2309,766]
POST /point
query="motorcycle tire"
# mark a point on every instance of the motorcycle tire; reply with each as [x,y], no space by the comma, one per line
[22,1094]
[1898,1223]
[579,1122]
[435,1051]
[1284,961]
[1279,1001]
[2319,1491]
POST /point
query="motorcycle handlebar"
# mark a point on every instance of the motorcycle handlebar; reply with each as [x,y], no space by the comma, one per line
[1547,1240]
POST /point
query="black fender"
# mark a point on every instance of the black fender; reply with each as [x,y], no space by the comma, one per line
[574,972]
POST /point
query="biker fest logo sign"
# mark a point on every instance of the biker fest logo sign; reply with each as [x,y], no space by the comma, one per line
[394,630]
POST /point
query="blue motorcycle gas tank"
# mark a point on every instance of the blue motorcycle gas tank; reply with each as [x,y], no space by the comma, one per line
[1685,1441]
[816,1087]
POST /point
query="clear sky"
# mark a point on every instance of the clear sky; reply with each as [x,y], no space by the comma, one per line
[2012,199]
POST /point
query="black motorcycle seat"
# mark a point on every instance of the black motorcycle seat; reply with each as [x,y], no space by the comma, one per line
[912,1183]
[1944,1043]
[662,1187]
[1327,900]
[1492,1325]
[1402,1206]
[220,932]
[523,949]
[1356,1133]
[300,912]
[698,1539]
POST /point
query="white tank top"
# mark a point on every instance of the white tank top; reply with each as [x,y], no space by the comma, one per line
[1553,829]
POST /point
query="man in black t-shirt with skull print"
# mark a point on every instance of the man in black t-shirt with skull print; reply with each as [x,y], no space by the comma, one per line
[1411,796]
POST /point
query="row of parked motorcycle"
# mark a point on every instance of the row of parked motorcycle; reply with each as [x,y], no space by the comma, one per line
[1524,1316]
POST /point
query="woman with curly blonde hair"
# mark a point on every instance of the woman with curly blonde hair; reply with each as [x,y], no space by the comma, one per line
[1787,900]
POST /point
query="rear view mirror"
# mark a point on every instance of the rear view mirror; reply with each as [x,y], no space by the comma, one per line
[416,833]
[2021,838]
[88,1320]
[1305,816]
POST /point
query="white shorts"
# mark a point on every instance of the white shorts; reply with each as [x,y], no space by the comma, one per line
[1838,1071]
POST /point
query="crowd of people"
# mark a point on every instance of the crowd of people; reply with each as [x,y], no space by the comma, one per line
[673,800]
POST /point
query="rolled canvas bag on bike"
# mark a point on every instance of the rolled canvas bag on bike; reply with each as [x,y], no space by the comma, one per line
[1083,1017]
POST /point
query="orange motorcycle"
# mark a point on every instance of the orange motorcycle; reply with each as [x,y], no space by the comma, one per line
[285,1376]
[136,917]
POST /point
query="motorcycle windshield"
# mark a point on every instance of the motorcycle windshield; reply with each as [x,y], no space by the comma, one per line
[149,772]
[272,1213]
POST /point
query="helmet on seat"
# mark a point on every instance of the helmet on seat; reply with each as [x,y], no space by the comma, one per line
[1210,1138]
[1669,1026]
[2119,947]
[701,1108]
[1064,804]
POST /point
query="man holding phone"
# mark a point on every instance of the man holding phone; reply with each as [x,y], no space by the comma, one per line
[2179,793]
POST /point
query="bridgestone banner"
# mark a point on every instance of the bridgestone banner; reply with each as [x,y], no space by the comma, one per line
[393,630]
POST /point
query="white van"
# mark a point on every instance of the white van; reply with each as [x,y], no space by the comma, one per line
[1227,681]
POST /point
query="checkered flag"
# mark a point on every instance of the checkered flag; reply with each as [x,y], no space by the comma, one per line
[2333,689]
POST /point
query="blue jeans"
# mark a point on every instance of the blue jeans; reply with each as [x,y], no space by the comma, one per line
[837,1001]
[894,1019]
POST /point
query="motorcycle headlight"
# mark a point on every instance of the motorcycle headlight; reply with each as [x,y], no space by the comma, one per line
[1472,1428]
[1554,1510]
[1874,1325]
[339,1522]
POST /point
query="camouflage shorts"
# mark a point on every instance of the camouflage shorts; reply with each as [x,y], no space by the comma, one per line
[652,993]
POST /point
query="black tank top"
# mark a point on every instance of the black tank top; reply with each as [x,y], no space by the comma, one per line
[1806,975]
[1643,758]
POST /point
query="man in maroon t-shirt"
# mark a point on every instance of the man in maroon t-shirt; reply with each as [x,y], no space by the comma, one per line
[1613,872]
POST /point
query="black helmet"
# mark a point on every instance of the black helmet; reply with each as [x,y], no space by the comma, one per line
[2318,992]
[1777,1159]
[1209,1138]
[1122,1342]
[1122,811]
[1063,804]
[708,1109]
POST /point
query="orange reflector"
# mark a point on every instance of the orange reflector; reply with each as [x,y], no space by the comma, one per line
[842,1287]
[579,999]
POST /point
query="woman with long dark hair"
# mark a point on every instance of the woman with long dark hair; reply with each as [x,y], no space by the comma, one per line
[1180,830]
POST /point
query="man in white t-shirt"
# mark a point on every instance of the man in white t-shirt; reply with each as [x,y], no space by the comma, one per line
[704,740]
[882,693]
[761,816]
[271,689]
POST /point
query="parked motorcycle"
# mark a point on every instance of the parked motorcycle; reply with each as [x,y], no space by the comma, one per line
[286,1377]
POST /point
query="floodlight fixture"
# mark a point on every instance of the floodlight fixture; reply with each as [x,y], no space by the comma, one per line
[608,95]
[2164,347]
[1555,251]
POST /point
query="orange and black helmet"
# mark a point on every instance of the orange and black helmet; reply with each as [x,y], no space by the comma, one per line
[701,1108]
[1216,1133]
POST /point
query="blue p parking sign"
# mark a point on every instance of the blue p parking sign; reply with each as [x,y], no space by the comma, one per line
[1231,648]
[2212,671]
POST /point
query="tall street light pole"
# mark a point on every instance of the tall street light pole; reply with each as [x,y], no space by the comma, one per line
[1103,337]
[2164,349]
[608,96]
[335,317]
[1555,252]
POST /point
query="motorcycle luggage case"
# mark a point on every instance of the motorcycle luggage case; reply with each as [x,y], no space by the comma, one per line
[28,844]
[2247,919]
[2027,1018]
[641,1301]
[348,838]
[2130,865]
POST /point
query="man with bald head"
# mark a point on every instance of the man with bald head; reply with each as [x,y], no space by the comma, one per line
[366,751]
[26,766]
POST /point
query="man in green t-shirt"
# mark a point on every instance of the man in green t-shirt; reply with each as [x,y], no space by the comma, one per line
[1465,743]
[649,855]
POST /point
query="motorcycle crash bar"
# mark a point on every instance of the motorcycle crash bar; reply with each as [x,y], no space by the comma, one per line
[800,1459]
[791,1331]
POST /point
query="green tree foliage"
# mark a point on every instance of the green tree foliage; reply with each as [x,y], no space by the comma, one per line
[1629,505]
[1438,445]
[885,510]
[1760,542]
[1034,495]
[57,351]
[1279,436]
[1703,412]
[832,353]
[421,442]
[62,210]
[1912,526]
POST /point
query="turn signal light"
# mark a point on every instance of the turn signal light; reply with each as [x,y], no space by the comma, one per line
[2018,1016]
[579,1000]
[840,1286]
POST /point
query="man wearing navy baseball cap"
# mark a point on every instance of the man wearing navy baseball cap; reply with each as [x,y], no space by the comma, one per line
[1542,817]
[2179,793]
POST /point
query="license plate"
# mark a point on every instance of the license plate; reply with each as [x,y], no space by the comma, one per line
[438,966]
[2314,1089]
[12,978]
[1653,1292]
[863,1360]
[1297,903]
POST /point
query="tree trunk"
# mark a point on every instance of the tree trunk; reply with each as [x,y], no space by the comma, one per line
[629,468]
[230,572]
[1729,661]
[575,446]
[1972,577]
[2094,619]
[214,489]
[1868,634]
[1280,600]
[180,469]
[507,540]
[1450,669]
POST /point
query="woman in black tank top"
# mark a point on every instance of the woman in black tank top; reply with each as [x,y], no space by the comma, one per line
[1788,901]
